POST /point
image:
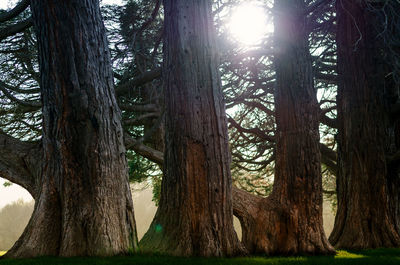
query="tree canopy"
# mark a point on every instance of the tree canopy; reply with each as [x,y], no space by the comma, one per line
[312,110]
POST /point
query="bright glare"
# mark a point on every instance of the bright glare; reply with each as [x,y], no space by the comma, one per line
[6,4]
[249,24]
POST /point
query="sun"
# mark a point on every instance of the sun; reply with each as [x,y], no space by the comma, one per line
[249,23]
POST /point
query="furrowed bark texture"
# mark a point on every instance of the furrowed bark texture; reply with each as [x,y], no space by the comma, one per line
[364,218]
[194,216]
[84,205]
[289,221]
[19,162]
[393,168]
[296,224]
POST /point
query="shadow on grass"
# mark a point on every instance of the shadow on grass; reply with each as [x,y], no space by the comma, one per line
[366,257]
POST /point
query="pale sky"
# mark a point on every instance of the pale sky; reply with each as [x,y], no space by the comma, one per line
[4,4]
[12,193]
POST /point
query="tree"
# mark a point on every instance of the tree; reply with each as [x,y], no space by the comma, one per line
[194,216]
[249,83]
[83,202]
[366,130]
[289,221]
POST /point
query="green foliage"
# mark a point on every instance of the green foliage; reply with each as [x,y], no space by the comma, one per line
[376,257]
[139,167]
[156,180]
[7,184]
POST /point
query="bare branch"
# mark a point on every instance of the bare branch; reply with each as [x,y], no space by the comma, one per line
[329,158]
[15,28]
[141,80]
[255,131]
[20,162]
[18,9]
[144,150]
[326,78]
[328,121]
[139,108]
[139,120]
[33,104]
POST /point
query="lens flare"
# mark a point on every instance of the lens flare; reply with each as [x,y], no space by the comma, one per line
[249,23]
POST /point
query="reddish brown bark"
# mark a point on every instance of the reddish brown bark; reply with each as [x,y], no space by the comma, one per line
[194,216]
[294,223]
[289,221]
[83,203]
[364,218]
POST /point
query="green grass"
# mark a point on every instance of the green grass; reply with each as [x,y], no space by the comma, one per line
[378,256]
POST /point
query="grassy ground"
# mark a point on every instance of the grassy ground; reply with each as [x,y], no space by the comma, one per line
[379,256]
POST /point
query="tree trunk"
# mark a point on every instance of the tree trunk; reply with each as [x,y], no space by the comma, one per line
[194,216]
[393,177]
[364,218]
[83,205]
[289,221]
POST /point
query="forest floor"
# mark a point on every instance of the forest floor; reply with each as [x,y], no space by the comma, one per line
[366,257]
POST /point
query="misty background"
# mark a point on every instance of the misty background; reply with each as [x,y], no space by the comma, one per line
[14,216]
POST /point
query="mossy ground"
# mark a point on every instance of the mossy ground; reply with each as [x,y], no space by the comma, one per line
[378,256]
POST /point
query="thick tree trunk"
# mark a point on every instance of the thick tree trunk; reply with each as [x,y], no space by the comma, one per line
[194,216]
[289,221]
[364,218]
[393,178]
[84,205]
[295,221]
[392,94]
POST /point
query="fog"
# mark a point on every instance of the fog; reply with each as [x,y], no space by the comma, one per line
[15,216]
[13,219]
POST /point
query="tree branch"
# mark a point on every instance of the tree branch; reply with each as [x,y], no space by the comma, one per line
[143,150]
[329,158]
[255,131]
[244,203]
[139,120]
[20,162]
[32,104]
[15,28]
[326,78]
[140,108]
[18,9]
[329,121]
[141,80]
[152,17]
